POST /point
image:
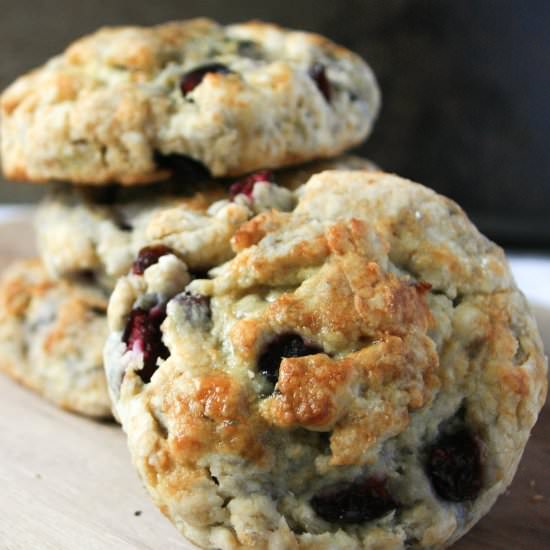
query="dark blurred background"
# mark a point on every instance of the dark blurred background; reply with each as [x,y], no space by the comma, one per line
[465,86]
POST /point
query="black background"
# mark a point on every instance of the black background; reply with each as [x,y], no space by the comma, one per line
[465,86]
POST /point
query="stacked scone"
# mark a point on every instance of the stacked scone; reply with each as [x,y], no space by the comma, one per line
[304,352]
[179,102]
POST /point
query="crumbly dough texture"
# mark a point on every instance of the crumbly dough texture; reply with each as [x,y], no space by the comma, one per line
[99,233]
[51,338]
[420,327]
[111,103]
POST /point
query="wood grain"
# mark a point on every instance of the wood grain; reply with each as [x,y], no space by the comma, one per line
[66,482]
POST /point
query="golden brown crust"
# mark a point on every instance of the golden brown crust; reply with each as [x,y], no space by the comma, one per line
[111,103]
[256,229]
[312,392]
[215,419]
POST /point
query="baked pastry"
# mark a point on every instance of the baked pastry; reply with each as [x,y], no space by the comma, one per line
[51,338]
[364,373]
[99,233]
[119,104]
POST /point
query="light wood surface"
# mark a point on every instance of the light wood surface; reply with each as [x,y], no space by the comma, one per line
[66,483]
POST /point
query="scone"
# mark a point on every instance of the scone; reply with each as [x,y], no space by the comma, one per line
[123,104]
[99,233]
[363,374]
[51,338]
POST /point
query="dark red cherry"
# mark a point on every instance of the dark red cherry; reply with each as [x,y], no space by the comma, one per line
[454,466]
[353,502]
[246,185]
[189,81]
[284,345]
[318,73]
[148,256]
[143,334]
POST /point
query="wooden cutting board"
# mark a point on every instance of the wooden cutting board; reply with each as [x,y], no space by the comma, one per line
[66,483]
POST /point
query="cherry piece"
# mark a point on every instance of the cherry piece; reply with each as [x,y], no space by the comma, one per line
[143,334]
[284,345]
[454,466]
[246,185]
[148,256]
[353,502]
